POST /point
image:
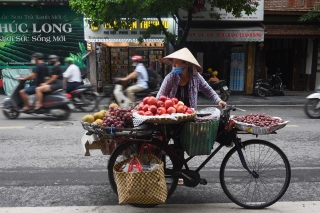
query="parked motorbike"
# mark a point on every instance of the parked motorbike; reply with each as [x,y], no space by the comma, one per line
[115,93]
[55,104]
[312,107]
[221,89]
[84,97]
[270,86]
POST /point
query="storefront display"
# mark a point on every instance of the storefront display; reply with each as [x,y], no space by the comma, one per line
[115,61]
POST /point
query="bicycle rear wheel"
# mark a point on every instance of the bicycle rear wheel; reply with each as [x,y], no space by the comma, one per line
[272,167]
[129,149]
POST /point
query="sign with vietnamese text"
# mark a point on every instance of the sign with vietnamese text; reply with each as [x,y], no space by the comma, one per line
[50,30]
[104,32]
[255,34]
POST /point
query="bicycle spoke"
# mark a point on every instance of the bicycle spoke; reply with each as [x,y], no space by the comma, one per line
[255,192]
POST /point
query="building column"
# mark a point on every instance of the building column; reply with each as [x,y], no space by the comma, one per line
[250,67]
[93,65]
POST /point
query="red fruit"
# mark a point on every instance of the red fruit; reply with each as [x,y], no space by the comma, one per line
[141,112]
[153,109]
[171,110]
[168,103]
[161,111]
[148,113]
[152,101]
[189,111]
[145,107]
[160,104]
[145,100]
[140,106]
[175,100]
[180,109]
[185,108]
[162,98]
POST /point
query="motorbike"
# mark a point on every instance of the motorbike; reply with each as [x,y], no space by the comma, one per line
[221,88]
[312,106]
[84,97]
[115,93]
[55,104]
[269,86]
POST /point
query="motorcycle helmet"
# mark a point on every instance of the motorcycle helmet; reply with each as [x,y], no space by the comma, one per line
[136,58]
[53,57]
[37,55]
[209,70]
[69,60]
[215,73]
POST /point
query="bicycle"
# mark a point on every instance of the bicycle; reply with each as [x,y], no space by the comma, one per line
[254,174]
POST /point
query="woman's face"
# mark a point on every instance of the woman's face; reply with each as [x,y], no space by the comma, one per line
[179,63]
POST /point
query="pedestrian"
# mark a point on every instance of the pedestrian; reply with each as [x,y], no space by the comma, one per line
[184,81]
[72,76]
[39,75]
[54,82]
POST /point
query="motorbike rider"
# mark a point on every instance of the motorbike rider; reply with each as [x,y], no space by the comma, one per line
[54,83]
[140,73]
[214,77]
[39,73]
[72,76]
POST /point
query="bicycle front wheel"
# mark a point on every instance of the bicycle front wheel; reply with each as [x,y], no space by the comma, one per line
[132,148]
[272,181]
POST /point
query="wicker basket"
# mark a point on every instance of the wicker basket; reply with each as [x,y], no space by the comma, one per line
[179,119]
[198,138]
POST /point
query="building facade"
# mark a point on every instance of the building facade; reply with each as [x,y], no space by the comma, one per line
[290,45]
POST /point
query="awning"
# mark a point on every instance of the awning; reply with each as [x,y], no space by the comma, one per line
[244,34]
[292,31]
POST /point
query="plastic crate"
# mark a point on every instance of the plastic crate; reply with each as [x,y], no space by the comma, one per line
[198,138]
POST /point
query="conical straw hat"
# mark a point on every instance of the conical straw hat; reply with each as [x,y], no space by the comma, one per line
[183,54]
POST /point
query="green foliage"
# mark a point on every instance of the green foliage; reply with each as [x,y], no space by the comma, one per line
[312,15]
[120,14]
[78,57]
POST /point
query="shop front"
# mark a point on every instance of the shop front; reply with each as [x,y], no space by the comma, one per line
[112,50]
[230,51]
[229,45]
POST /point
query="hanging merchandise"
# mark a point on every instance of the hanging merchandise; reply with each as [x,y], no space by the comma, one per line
[237,72]
[119,62]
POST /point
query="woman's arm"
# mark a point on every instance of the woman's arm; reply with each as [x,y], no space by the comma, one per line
[164,89]
[207,90]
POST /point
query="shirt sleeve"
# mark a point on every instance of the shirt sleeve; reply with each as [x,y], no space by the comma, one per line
[164,89]
[205,88]
[67,73]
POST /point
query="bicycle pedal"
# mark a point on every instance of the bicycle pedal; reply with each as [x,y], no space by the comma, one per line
[203,181]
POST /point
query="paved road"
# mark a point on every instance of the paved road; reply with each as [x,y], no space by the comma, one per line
[43,165]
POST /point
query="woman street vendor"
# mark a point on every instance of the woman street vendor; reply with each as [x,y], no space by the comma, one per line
[184,81]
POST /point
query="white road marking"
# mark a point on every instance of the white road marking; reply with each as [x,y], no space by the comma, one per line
[292,125]
[283,207]
[12,127]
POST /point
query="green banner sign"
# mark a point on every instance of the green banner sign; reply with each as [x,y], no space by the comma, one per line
[50,30]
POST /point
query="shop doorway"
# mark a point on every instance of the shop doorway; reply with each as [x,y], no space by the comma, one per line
[289,56]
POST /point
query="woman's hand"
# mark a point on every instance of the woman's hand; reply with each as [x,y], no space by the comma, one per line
[222,104]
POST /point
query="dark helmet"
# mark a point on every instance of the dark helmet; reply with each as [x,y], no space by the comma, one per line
[37,55]
[53,57]
[136,58]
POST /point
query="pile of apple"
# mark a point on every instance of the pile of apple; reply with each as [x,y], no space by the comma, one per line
[259,119]
[150,106]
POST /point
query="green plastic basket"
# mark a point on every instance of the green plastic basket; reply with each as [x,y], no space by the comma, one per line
[198,138]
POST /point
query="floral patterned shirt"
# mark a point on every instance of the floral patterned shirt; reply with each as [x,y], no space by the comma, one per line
[197,83]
